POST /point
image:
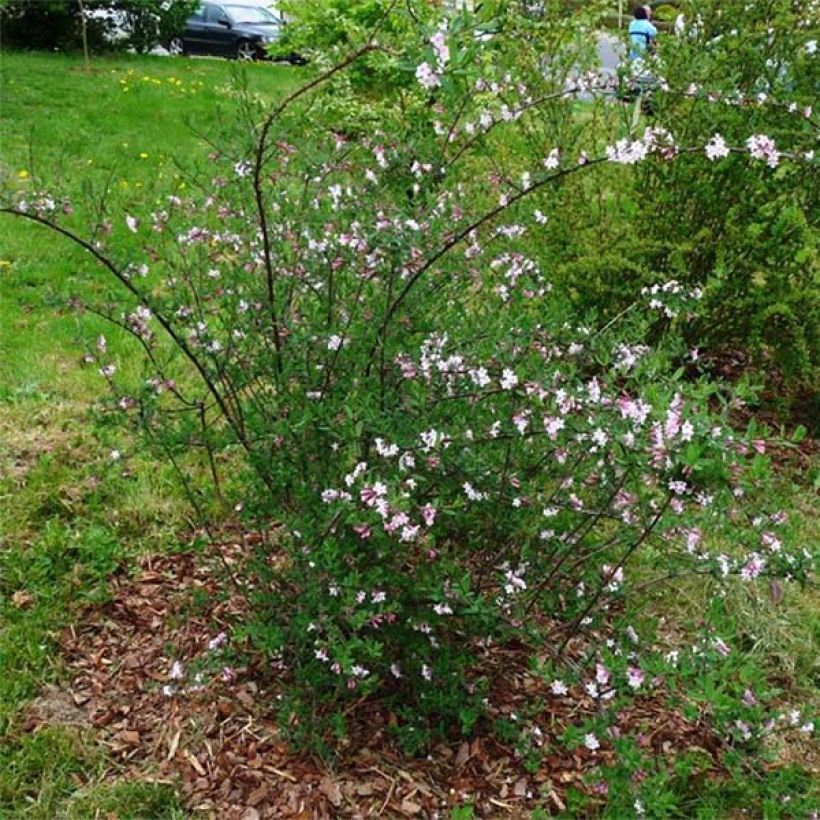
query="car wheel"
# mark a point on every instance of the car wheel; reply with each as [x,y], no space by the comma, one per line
[176,47]
[245,50]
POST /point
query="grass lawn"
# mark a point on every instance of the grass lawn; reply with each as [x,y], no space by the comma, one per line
[122,124]
[72,513]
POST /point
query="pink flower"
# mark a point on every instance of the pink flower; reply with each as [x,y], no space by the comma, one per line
[216,642]
[508,379]
[410,532]
[763,147]
[439,43]
[427,77]
[673,417]
[753,567]
[371,493]
[716,148]
[558,688]
[635,677]
[553,160]
[721,646]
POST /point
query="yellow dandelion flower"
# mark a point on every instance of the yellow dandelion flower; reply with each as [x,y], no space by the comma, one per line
[143,155]
[23,174]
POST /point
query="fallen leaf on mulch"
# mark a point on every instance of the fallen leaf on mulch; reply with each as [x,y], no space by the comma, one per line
[331,791]
[463,755]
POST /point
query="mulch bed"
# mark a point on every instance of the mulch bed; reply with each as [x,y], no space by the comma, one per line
[220,742]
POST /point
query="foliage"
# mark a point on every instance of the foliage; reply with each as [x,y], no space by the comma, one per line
[377,90]
[57,24]
[149,23]
[750,239]
[320,27]
[54,24]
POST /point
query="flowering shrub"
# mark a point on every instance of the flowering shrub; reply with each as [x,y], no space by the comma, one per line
[362,333]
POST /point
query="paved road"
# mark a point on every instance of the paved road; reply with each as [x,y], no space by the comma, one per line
[611,51]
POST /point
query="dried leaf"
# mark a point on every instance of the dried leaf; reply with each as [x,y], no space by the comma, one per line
[80,698]
[22,599]
[173,745]
[196,764]
[105,718]
[463,755]
[409,807]
[557,800]
[250,814]
[331,791]
[280,773]
[258,795]
[520,787]
[777,591]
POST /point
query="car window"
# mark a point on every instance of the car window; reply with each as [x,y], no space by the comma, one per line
[213,14]
[250,14]
[198,16]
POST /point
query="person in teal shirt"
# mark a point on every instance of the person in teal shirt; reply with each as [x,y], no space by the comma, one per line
[642,34]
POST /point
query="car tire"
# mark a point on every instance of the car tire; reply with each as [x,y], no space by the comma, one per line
[245,51]
[176,47]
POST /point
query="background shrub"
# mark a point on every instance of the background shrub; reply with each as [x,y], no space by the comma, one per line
[110,24]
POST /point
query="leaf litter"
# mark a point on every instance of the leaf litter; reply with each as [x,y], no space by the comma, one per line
[219,739]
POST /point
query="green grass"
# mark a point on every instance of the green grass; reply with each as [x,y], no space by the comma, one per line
[70,785]
[68,517]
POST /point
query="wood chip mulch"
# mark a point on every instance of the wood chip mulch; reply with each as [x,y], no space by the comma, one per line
[219,741]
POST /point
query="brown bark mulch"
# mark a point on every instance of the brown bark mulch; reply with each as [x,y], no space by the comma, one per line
[220,741]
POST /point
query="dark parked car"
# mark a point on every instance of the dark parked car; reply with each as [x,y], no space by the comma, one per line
[228,30]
